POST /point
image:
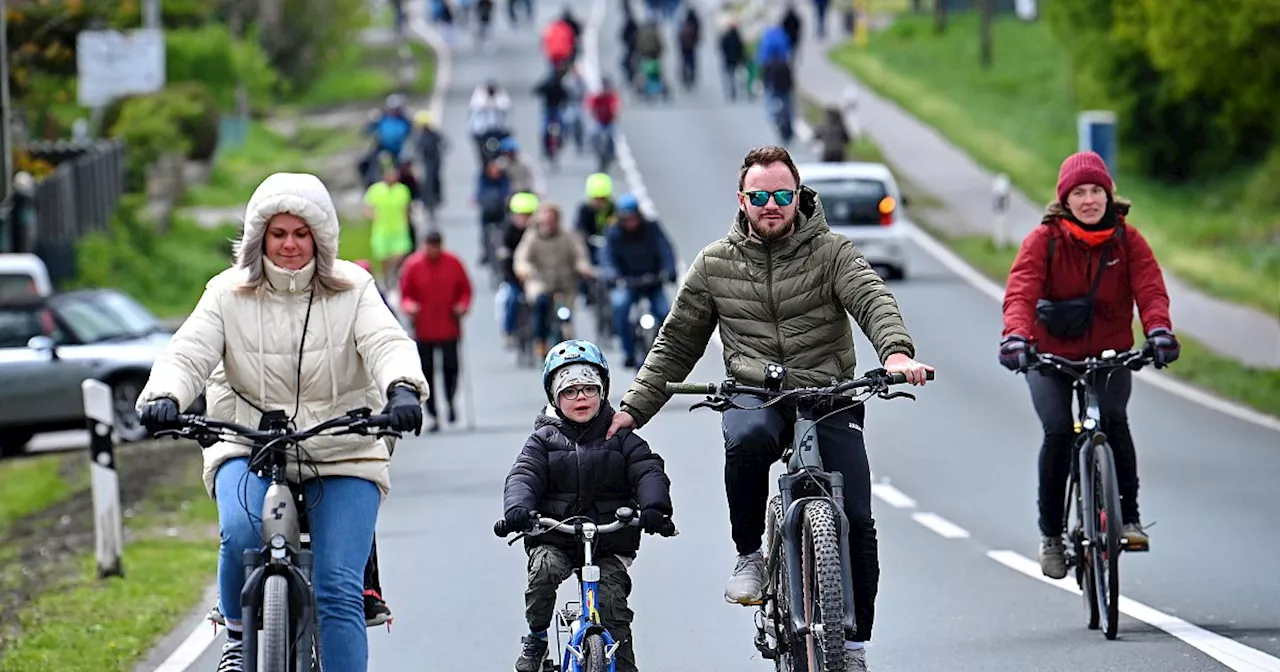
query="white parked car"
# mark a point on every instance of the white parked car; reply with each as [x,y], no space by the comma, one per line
[862,201]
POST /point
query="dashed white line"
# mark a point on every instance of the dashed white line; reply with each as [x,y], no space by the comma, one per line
[892,496]
[1227,651]
[945,528]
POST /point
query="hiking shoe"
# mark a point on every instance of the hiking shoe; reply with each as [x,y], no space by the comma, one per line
[1053,557]
[855,660]
[376,611]
[232,656]
[532,652]
[746,586]
[1135,538]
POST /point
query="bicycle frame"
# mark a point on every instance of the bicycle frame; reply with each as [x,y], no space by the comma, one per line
[588,619]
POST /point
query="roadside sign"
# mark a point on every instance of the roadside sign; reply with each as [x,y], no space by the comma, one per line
[111,64]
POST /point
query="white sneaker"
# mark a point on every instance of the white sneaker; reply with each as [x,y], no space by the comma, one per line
[746,586]
[855,660]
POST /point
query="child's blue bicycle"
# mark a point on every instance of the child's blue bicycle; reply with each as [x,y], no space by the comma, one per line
[589,647]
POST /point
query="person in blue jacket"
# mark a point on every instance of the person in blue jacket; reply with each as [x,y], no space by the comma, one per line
[638,258]
[774,44]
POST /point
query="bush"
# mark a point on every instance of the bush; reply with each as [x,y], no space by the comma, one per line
[310,35]
[212,56]
[166,273]
[182,119]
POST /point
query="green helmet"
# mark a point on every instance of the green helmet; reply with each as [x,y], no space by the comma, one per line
[599,185]
[524,203]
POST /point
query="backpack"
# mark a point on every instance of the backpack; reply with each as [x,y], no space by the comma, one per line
[602,109]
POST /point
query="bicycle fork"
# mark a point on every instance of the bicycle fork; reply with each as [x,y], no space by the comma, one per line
[281,531]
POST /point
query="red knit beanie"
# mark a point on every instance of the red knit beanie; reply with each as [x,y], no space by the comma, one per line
[1083,168]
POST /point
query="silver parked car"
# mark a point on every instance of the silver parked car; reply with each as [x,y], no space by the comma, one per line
[49,345]
[863,203]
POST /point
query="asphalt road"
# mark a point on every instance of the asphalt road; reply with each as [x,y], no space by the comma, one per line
[965,452]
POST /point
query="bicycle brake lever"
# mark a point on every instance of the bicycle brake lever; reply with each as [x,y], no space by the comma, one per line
[720,405]
[898,395]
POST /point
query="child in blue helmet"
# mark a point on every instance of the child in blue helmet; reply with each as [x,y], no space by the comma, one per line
[567,468]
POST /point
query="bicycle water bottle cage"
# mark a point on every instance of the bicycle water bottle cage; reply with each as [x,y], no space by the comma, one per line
[774,374]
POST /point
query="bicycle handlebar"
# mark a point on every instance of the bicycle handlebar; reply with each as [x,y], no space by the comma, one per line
[1110,359]
[358,421]
[874,379]
[544,524]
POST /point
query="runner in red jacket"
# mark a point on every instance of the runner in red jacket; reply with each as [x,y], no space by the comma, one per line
[436,292]
[1084,253]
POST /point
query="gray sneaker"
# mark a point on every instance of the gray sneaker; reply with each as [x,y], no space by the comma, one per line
[533,650]
[746,586]
[855,660]
[1053,557]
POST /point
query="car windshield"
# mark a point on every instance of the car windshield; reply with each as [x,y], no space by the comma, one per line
[131,313]
[93,322]
[18,324]
[850,201]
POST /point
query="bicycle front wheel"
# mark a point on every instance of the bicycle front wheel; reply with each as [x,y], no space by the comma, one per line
[593,654]
[823,587]
[1106,546]
[275,625]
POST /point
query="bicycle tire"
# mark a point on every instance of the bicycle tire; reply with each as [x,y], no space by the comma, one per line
[776,610]
[276,634]
[593,659]
[1083,564]
[824,586]
[1107,540]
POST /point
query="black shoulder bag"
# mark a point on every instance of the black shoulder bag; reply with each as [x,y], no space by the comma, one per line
[1069,319]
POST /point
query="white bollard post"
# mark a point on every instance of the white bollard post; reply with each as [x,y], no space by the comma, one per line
[108,525]
[1000,205]
[850,103]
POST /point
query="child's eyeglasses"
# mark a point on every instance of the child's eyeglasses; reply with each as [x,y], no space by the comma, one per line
[588,391]
[782,197]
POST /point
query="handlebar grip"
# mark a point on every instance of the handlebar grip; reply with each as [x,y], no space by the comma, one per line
[500,528]
[691,388]
[898,378]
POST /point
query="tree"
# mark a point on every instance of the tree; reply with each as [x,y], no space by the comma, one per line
[988,9]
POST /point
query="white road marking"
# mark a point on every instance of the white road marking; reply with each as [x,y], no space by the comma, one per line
[892,496]
[1229,652]
[945,528]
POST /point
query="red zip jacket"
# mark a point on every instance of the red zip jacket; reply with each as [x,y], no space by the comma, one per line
[437,286]
[1131,274]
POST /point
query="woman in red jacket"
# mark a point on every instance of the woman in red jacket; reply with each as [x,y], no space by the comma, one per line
[436,293]
[1083,249]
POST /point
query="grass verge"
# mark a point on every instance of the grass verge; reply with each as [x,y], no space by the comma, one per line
[238,172]
[91,625]
[367,73]
[30,484]
[1019,118]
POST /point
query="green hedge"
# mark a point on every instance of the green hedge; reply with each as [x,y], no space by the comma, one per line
[183,118]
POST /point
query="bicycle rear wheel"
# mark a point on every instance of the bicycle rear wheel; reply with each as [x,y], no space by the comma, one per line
[274,644]
[823,587]
[1075,513]
[593,654]
[1106,546]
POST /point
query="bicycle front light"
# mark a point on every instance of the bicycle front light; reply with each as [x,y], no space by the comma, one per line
[563,313]
[646,321]
[1090,424]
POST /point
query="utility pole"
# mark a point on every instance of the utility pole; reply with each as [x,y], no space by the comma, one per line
[6,117]
[151,14]
[984,32]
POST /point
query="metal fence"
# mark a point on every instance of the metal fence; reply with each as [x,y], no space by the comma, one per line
[80,197]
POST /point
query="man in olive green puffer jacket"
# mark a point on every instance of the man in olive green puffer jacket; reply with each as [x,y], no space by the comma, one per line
[780,287]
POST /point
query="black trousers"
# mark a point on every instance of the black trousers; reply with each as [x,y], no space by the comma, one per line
[449,355]
[754,440]
[1052,396]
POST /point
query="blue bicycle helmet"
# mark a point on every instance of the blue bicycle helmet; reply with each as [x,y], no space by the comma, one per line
[576,351]
[508,144]
[627,204]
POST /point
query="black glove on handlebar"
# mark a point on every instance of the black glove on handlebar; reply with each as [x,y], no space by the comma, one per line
[159,414]
[405,408]
[654,521]
[1163,346]
[1015,353]
[518,519]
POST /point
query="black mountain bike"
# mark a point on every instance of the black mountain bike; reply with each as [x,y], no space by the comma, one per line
[1096,538]
[807,611]
[278,596]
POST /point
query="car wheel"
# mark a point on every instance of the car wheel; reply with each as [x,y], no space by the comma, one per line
[124,397]
[14,442]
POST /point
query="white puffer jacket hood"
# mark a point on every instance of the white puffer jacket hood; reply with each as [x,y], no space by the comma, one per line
[255,319]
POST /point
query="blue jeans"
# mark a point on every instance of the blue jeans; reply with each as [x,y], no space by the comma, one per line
[343,515]
[510,307]
[541,317]
[622,298]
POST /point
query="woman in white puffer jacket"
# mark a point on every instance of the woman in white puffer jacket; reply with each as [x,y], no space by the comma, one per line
[289,293]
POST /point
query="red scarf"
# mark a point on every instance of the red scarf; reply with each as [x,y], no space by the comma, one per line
[1089,238]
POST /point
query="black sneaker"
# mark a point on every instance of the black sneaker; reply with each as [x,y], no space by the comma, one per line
[533,651]
[232,656]
[376,612]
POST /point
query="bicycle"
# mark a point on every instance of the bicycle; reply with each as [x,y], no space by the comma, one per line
[278,576]
[806,613]
[641,321]
[1096,540]
[588,646]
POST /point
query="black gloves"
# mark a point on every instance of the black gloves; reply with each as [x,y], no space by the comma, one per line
[1163,347]
[518,519]
[654,521]
[159,414]
[1015,353]
[405,408]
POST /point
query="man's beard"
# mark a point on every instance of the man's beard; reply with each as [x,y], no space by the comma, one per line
[773,235]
